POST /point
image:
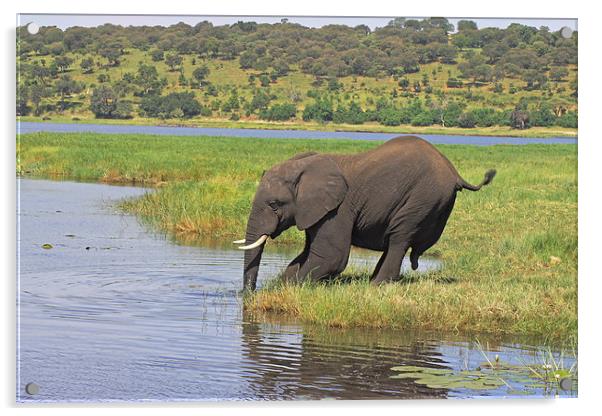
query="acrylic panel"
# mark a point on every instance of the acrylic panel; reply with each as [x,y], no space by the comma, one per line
[295,208]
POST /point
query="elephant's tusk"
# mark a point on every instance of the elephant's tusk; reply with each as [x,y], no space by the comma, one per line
[257,243]
[239,241]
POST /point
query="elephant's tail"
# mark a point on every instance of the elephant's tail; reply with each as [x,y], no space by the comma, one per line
[462,184]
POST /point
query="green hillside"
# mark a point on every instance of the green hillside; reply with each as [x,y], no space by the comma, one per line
[426,74]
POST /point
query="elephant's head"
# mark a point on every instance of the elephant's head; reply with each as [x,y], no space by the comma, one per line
[299,191]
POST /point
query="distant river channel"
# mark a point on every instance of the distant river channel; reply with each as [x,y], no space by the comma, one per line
[31,127]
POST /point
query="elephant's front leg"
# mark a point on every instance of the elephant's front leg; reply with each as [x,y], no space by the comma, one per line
[291,274]
[327,248]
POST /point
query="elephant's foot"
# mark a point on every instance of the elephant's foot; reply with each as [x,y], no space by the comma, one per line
[291,274]
[379,280]
[389,265]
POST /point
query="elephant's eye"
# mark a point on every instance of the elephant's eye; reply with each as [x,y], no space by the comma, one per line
[273,205]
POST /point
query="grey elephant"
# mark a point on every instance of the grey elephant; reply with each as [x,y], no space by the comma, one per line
[393,198]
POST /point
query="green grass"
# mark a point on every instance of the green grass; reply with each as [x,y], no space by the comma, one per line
[509,251]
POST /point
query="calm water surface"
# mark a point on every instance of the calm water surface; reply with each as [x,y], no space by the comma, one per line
[30,127]
[115,312]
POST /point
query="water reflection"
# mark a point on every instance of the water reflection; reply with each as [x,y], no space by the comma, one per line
[288,363]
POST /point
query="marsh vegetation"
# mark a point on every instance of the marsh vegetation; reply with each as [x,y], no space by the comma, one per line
[509,252]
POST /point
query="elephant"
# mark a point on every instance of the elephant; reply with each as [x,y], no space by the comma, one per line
[393,198]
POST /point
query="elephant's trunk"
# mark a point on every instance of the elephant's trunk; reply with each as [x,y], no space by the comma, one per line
[252,260]
[257,227]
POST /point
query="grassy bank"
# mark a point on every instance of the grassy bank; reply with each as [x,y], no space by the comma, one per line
[510,250]
[543,132]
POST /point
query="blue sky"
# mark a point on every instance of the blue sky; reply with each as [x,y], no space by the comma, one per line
[63,21]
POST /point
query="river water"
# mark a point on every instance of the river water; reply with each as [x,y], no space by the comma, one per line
[31,127]
[116,312]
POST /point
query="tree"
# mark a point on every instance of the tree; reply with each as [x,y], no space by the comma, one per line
[173,60]
[22,97]
[281,68]
[233,103]
[112,53]
[264,80]
[408,60]
[157,55]
[147,79]
[260,101]
[404,84]
[333,84]
[535,79]
[482,73]
[558,73]
[37,92]
[65,86]
[494,51]
[40,73]
[62,63]
[103,102]
[103,77]
[464,25]
[87,65]
[248,60]
[447,54]
[200,74]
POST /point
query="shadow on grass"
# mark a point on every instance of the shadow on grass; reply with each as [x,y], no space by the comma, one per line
[363,278]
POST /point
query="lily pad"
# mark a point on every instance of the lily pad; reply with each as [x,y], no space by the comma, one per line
[446,378]
[408,375]
[423,370]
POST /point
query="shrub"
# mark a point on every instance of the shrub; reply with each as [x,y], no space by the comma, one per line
[174,105]
[543,116]
[483,117]
[279,112]
[389,116]
[423,119]
[321,110]
[350,115]
[467,120]
[569,119]
[454,83]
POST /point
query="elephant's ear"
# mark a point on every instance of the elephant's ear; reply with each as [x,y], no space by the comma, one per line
[321,187]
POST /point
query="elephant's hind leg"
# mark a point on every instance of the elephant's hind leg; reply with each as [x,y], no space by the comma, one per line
[389,265]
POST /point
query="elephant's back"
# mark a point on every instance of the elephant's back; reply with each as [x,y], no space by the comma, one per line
[401,171]
[411,157]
